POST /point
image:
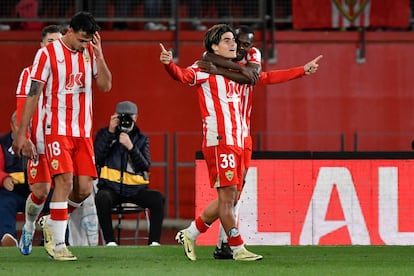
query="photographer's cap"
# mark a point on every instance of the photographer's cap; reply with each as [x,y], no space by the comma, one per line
[126,107]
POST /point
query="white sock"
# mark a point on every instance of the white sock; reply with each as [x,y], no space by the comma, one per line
[222,233]
[222,236]
[58,226]
[74,204]
[32,211]
[238,248]
[192,231]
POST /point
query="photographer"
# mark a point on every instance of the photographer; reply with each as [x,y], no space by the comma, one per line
[123,160]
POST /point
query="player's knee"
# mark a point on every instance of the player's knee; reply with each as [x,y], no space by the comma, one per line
[40,190]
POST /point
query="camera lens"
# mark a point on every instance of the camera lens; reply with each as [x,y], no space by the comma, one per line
[125,122]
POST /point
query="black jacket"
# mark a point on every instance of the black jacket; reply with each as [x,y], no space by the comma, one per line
[117,165]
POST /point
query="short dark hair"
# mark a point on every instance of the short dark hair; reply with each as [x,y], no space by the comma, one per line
[51,29]
[243,29]
[84,22]
[213,35]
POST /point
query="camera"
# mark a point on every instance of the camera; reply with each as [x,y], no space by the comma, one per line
[125,122]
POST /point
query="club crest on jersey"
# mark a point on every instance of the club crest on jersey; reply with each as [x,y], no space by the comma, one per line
[229,175]
[33,172]
[86,56]
[55,164]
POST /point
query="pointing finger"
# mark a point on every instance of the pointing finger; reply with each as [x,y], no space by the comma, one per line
[317,59]
[162,48]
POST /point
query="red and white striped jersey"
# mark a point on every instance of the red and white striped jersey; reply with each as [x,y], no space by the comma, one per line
[253,56]
[220,104]
[67,75]
[36,126]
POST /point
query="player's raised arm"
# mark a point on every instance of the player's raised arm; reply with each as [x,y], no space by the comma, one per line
[104,78]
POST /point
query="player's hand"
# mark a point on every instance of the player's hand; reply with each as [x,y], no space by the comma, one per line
[29,150]
[18,143]
[253,75]
[97,45]
[312,66]
[165,56]
[207,66]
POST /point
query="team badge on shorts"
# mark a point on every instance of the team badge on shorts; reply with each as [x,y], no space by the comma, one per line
[55,164]
[229,175]
[33,172]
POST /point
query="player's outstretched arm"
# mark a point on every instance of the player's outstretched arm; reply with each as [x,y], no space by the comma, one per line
[279,76]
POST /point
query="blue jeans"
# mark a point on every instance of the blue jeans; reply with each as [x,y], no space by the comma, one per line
[10,204]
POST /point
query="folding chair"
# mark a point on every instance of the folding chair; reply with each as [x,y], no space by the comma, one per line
[130,208]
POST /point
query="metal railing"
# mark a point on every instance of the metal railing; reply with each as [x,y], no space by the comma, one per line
[241,11]
[175,15]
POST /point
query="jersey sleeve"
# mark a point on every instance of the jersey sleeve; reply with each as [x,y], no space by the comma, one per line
[184,75]
[22,90]
[278,76]
[254,56]
[41,66]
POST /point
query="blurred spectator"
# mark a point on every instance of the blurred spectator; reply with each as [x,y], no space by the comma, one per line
[223,9]
[4,13]
[4,27]
[122,9]
[194,12]
[13,187]
[28,9]
[152,9]
[56,8]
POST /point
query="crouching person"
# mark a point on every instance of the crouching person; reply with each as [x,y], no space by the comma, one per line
[123,159]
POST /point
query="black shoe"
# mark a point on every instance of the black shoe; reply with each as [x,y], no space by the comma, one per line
[223,253]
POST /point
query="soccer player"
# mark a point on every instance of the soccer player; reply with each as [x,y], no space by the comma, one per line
[220,106]
[65,69]
[248,64]
[38,177]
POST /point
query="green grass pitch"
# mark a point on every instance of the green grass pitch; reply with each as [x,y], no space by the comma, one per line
[170,260]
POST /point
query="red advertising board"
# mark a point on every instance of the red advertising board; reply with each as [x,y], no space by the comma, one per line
[321,202]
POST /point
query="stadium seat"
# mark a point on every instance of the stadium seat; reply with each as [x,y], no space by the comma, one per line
[130,208]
